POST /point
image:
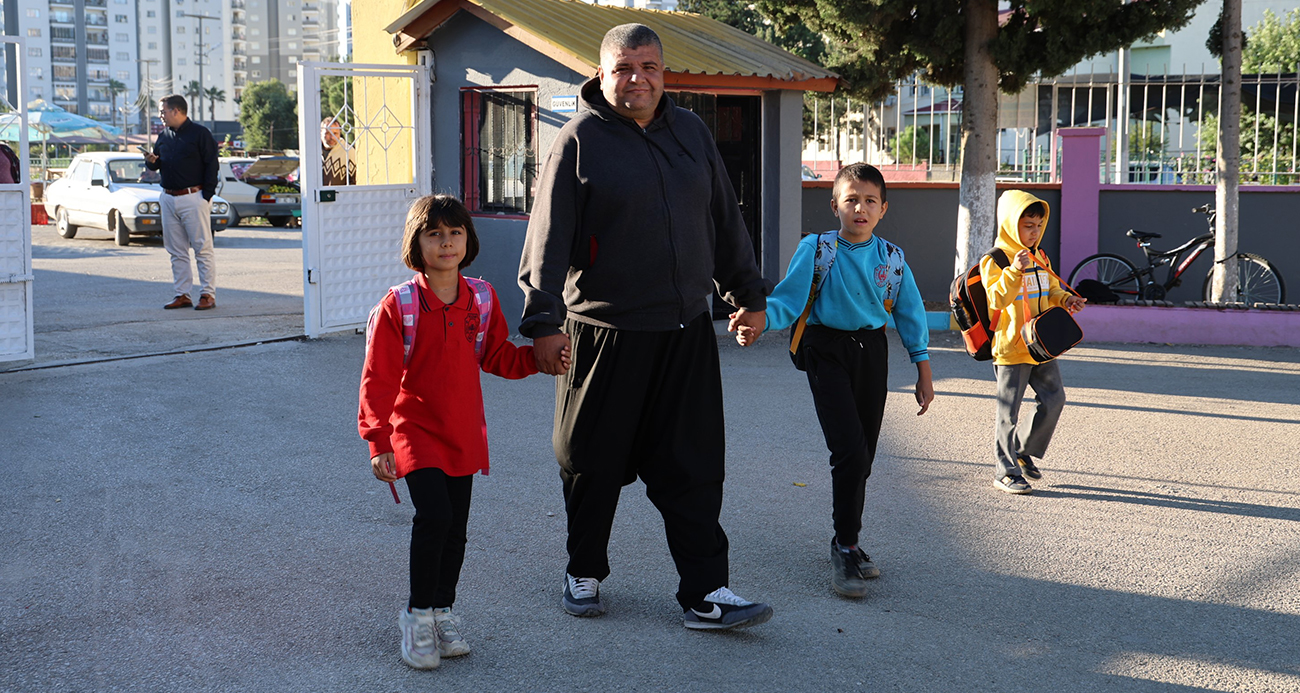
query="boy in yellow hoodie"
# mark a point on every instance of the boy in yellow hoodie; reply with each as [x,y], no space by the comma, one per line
[1021,221]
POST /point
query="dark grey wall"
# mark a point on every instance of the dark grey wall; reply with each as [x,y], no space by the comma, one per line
[923,222]
[1270,226]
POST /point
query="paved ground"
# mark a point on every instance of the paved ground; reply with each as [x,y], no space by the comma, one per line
[95,299]
[207,522]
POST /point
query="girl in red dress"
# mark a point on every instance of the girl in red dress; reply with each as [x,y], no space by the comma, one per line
[422,411]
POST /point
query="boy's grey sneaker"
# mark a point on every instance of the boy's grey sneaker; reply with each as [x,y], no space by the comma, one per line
[869,569]
[582,596]
[450,642]
[847,578]
[723,610]
[419,638]
[1013,484]
[1028,467]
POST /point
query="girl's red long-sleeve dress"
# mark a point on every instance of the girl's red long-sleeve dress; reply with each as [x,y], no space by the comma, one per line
[431,415]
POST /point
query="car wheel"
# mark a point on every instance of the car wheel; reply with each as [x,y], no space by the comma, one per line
[234,219]
[279,221]
[65,227]
[121,233]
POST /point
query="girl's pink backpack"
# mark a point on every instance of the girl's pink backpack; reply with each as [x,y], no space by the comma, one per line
[410,310]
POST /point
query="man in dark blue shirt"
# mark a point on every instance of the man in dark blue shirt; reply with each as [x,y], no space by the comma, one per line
[185,155]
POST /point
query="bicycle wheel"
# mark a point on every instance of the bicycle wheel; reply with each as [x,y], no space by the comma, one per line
[1117,273]
[1258,281]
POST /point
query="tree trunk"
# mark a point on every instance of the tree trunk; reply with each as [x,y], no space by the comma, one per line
[1224,285]
[976,220]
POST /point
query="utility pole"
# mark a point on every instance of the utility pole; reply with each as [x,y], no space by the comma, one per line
[146,96]
[199,55]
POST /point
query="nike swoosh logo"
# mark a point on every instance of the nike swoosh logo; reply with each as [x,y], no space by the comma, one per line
[716,613]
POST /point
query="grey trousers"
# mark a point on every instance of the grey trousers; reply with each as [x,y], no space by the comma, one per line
[186,224]
[1010,439]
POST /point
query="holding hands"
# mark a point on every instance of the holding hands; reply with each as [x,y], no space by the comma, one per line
[748,325]
[553,354]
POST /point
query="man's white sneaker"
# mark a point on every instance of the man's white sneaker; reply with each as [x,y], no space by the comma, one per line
[419,638]
[723,610]
[450,642]
[582,596]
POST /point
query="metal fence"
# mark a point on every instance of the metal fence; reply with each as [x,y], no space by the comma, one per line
[1171,128]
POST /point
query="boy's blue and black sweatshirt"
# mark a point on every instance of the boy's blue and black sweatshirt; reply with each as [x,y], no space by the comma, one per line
[851,296]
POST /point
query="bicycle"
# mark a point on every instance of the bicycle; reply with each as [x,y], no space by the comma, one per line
[1258,281]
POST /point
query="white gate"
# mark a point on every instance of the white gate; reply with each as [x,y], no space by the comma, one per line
[352,227]
[16,229]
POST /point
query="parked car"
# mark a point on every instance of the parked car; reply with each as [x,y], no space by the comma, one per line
[113,191]
[262,187]
[806,173]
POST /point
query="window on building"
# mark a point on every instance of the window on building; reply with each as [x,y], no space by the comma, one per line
[257,60]
[123,74]
[120,18]
[180,29]
[66,33]
[100,109]
[33,13]
[36,92]
[255,32]
[291,45]
[255,45]
[207,30]
[97,55]
[34,33]
[123,38]
[122,55]
[257,73]
[500,159]
[152,29]
[65,93]
[180,45]
[291,31]
[37,72]
[180,61]
[153,45]
[65,73]
[34,52]
[151,14]
[253,18]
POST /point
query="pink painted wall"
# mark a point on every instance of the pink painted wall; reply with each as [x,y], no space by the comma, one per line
[1189,325]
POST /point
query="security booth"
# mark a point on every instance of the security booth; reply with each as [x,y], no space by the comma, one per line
[506,76]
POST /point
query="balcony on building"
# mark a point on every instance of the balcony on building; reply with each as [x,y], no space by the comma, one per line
[236,4]
[96,3]
[96,19]
[61,2]
[97,38]
[240,81]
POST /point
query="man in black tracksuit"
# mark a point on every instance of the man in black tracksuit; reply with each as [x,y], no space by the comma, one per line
[635,222]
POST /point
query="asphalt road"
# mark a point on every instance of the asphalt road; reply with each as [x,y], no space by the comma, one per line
[208,522]
[94,299]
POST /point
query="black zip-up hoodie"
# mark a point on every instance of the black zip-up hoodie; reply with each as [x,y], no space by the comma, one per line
[633,228]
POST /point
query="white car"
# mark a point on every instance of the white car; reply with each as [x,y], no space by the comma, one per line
[113,191]
[261,187]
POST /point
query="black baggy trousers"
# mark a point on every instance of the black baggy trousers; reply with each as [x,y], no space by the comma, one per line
[847,372]
[645,404]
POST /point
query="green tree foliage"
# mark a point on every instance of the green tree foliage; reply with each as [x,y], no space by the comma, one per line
[269,116]
[912,145]
[795,37]
[336,99]
[214,96]
[1274,44]
[873,44]
[1267,156]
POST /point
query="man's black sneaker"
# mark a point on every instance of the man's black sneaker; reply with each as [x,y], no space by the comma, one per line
[1028,467]
[869,569]
[1013,484]
[847,578]
[723,610]
[582,596]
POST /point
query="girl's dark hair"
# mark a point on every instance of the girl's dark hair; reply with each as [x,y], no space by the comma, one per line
[429,212]
[865,173]
[1034,211]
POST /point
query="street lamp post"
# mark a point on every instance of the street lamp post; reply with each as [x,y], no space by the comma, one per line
[199,54]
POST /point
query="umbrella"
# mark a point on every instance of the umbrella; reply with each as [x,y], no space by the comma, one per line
[51,122]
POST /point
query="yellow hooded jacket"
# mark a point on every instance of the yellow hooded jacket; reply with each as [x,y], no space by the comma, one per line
[1003,286]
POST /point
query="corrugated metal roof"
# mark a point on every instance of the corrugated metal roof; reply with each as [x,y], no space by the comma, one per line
[692,43]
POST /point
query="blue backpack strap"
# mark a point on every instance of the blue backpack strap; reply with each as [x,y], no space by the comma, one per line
[894,264]
[483,301]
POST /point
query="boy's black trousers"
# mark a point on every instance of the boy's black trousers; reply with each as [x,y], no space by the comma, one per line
[847,373]
[645,404]
[437,535]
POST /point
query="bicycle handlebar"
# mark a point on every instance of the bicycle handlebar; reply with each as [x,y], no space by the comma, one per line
[1207,208]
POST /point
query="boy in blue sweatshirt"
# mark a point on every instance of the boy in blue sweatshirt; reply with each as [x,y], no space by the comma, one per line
[856,281]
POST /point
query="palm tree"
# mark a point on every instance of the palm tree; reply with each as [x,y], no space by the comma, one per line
[193,91]
[215,96]
[114,88]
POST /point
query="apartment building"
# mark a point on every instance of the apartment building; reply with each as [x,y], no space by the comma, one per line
[74,49]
